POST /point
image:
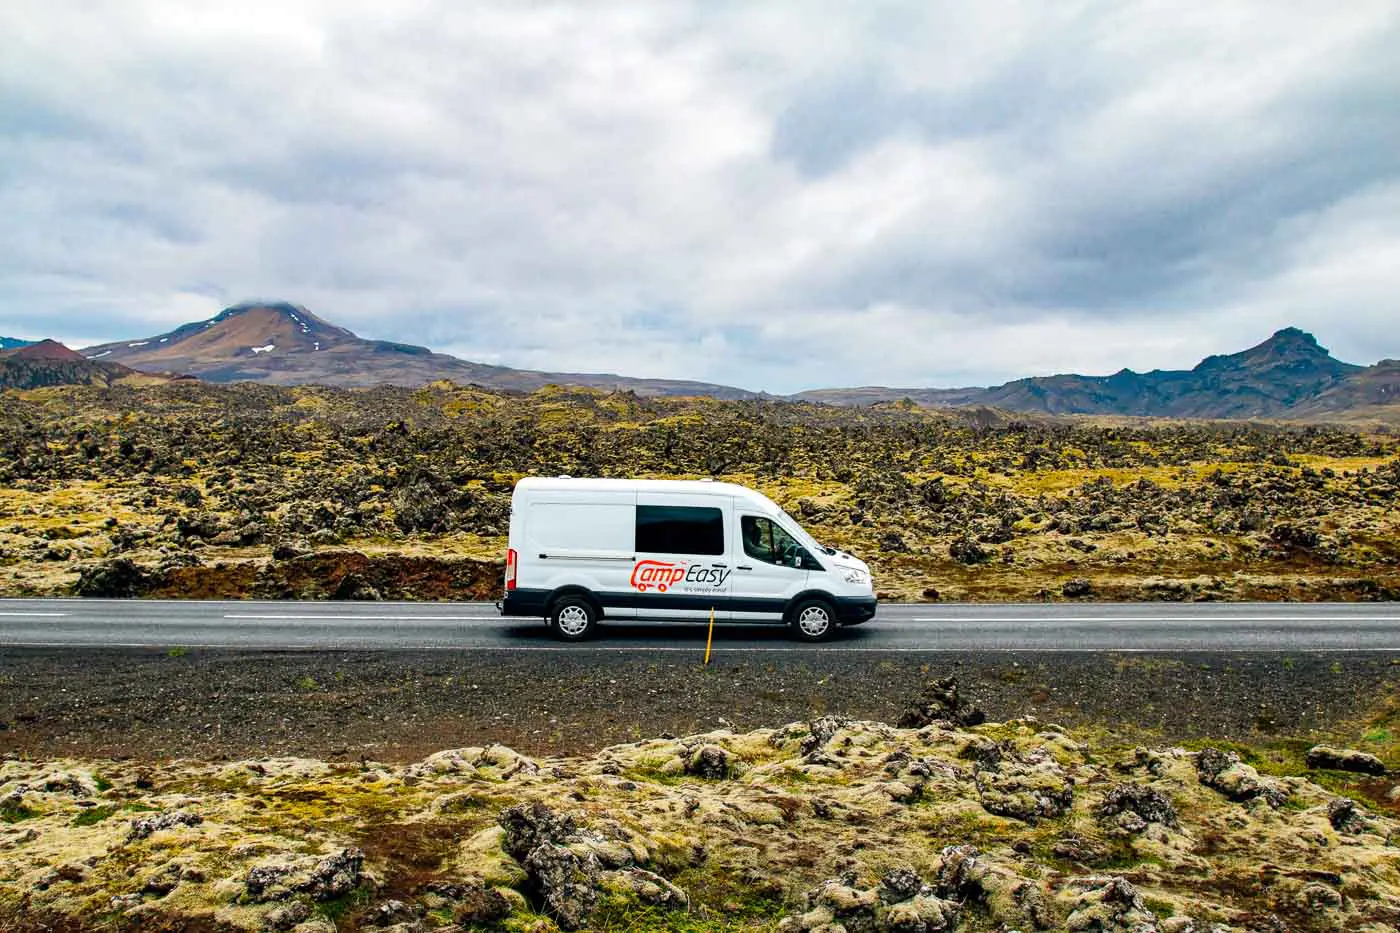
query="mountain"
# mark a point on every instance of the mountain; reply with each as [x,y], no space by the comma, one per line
[50,363]
[1288,370]
[285,344]
[47,350]
[1290,375]
[10,343]
[1371,392]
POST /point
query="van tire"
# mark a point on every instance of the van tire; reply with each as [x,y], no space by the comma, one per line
[805,622]
[573,618]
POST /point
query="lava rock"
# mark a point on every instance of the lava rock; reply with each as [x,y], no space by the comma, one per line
[968,551]
[567,881]
[1111,906]
[1030,789]
[1077,588]
[1223,772]
[941,700]
[710,762]
[1344,759]
[141,827]
[1151,806]
[120,578]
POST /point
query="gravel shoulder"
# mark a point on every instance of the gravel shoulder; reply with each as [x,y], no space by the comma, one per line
[399,706]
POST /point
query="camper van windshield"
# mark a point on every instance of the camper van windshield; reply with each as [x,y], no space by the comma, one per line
[793,528]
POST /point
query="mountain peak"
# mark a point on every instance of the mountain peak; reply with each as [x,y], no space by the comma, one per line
[1293,336]
[244,331]
[1290,347]
[48,350]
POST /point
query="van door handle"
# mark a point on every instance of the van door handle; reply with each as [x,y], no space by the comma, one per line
[743,567]
[720,565]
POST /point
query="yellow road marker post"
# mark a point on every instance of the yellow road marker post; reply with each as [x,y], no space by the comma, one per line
[710,637]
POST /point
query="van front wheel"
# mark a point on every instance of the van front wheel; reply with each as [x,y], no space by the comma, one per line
[813,620]
[572,618]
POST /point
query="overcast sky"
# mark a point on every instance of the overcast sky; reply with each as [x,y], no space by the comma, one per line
[778,196]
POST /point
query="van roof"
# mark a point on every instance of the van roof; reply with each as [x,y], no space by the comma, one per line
[702,487]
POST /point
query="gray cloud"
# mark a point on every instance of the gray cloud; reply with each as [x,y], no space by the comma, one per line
[745,193]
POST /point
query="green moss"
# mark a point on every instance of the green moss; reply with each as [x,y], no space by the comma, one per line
[650,769]
[1279,758]
[14,813]
[519,922]
[94,815]
[339,907]
[749,916]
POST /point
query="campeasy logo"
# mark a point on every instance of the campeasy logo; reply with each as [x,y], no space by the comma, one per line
[661,575]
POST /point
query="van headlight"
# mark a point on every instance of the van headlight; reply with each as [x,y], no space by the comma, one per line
[857,577]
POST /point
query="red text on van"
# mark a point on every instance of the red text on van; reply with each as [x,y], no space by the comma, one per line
[656,573]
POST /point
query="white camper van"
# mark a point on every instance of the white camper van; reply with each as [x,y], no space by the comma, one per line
[588,549]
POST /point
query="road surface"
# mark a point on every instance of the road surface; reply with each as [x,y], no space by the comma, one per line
[1250,627]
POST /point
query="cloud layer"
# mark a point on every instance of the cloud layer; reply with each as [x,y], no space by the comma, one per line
[762,195]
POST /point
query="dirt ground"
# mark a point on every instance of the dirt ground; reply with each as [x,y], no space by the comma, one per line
[399,706]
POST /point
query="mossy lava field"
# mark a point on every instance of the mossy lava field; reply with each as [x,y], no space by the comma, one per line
[194,490]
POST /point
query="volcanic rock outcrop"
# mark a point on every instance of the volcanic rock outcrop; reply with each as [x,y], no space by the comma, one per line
[823,826]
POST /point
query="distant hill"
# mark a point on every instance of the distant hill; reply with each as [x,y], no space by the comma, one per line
[48,350]
[285,344]
[1372,392]
[50,363]
[10,343]
[1281,377]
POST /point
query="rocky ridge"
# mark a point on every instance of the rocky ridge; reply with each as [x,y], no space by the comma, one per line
[830,825]
[1287,376]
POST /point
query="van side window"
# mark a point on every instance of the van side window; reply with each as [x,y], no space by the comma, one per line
[766,541]
[679,529]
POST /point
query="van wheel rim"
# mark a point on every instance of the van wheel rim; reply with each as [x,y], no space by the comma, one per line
[573,620]
[814,621]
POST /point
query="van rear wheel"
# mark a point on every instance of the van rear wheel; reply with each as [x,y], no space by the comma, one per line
[572,618]
[813,620]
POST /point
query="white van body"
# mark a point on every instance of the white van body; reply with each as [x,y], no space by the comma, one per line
[672,549]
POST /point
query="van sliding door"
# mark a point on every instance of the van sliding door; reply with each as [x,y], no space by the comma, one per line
[683,569]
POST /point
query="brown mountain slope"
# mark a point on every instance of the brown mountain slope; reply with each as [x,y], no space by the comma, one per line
[48,350]
[50,363]
[1372,393]
[285,344]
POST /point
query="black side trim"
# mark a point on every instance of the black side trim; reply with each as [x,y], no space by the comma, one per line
[525,602]
[690,601]
[850,610]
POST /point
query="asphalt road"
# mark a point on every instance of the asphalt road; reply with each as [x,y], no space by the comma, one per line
[1060,627]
